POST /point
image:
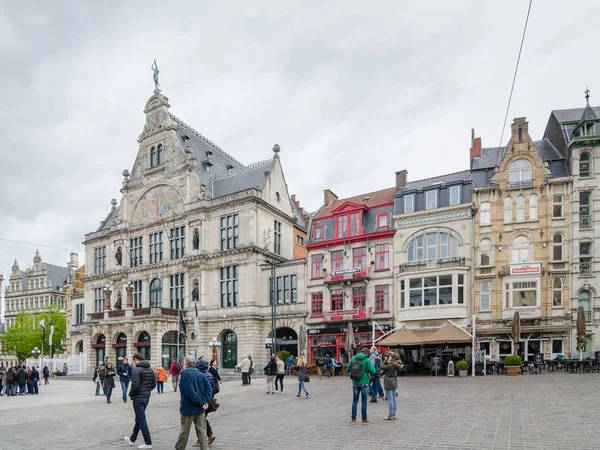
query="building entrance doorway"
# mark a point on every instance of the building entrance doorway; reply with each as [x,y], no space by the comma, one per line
[229,350]
[169,349]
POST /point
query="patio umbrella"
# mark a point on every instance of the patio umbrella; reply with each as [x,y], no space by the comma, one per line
[581,328]
[516,328]
[350,342]
[301,340]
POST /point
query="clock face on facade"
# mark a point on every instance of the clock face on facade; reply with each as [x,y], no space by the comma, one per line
[159,201]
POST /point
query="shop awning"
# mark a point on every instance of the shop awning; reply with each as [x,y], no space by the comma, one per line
[401,338]
[525,329]
[448,334]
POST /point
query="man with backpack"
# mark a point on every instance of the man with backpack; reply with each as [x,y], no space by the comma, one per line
[360,366]
[375,386]
[175,371]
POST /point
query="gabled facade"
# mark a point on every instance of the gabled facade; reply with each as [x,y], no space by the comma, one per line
[192,228]
[350,273]
[522,193]
[432,250]
[576,133]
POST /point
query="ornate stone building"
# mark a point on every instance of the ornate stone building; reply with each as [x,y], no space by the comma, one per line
[522,193]
[576,135]
[192,228]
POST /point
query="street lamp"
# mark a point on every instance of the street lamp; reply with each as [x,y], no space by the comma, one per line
[272,265]
[214,345]
[35,353]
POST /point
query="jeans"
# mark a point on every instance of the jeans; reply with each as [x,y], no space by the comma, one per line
[124,386]
[139,408]
[392,401]
[34,385]
[375,387]
[328,371]
[98,386]
[363,390]
[29,387]
[199,421]
[4,389]
[279,379]
[23,388]
[175,380]
[301,387]
[108,393]
[14,389]
[160,387]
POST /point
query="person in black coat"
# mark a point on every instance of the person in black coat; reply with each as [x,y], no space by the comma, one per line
[46,374]
[35,379]
[142,384]
[22,381]
[109,381]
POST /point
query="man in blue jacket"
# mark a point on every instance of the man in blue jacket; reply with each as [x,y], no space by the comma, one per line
[195,392]
[125,372]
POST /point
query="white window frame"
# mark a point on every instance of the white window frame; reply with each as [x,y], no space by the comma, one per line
[533,207]
[433,192]
[508,209]
[407,203]
[520,248]
[510,285]
[557,203]
[556,244]
[484,249]
[521,208]
[557,290]
[521,172]
[485,214]
[456,190]
[485,292]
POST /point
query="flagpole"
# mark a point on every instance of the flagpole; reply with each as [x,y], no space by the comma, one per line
[178,332]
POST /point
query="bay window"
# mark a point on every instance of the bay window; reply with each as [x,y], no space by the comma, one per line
[348,225]
[431,245]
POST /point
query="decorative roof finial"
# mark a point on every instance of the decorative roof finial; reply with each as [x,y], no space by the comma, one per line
[155,70]
[276,150]
[587,94]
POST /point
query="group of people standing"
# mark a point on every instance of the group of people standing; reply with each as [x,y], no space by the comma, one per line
[21,380]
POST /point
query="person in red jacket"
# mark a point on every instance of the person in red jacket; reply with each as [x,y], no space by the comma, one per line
[175,370]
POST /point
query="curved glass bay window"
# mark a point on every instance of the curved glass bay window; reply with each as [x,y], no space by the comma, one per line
[431,245]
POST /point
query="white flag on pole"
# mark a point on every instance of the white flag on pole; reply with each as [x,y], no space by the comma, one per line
[43,323]
[51,333]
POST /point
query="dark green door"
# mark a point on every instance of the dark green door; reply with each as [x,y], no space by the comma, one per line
[229,350]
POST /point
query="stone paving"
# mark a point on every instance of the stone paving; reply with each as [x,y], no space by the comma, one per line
[548,411]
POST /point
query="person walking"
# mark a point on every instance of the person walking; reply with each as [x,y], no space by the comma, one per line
[46,374]
[161,377]
[214,371]
[389,369]
[289,365]
[109,381]
[96,379]
[175,370]
[328,366]
[360,366]
[143,382]
[125,372]
[302,377]
[250,370]
[270,371]
[280,374]
[319,362]
[375,384]
[244,367]
[35,380]
[29,384]
[202,366]
[195,393]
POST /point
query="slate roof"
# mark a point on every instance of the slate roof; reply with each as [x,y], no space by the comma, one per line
[56,274]
[449,178]
[298,216]
[574,114]
[240,179]
[108,221]
[589,115]
[374,199]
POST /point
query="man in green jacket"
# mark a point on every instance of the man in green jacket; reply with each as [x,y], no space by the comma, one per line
[361,386]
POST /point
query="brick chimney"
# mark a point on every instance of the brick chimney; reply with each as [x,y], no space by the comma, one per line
[401,178]
[475,151]
[329,196]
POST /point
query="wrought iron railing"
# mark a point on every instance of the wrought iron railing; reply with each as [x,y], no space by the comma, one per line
[585,222]
[585,269]
[440,262]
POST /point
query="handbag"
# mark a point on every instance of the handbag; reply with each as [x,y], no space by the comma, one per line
[212,405]
[307,380]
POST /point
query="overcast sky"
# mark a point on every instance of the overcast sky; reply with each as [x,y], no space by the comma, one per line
[350,91]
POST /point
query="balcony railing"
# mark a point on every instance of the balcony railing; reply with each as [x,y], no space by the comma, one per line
[349,314]
[585,221]
[588,316]
[141,312]
[97,316]
[441,262]
[116,313]
[155,311]
[355,274]
[585,269]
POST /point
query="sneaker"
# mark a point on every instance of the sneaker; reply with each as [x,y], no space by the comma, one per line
[197,444]
[211,439]
[144,446]
[353,421]
[307,396]
[388,418]
[373,400]
[129,441]
[298,396]
[381,396]
[394,417]
[366,422]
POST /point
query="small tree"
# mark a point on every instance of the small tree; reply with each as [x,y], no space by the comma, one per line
[20,339]
[283,355]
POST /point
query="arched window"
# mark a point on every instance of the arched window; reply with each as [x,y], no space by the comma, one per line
[521,250]
[585,165]
[156,292]
[431,245]
[152,157]
[521,208]
[520,173]
[484,296]
[485,253]
[533,207]
[485,213]
[277,196]
[508,209]
[557,294]
[584,300]
[557,247]
[159,155]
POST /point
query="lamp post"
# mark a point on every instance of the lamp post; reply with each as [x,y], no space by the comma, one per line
[214,345]
[35,353]
[273,300]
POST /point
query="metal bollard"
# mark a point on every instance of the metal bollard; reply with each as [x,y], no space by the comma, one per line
[451,368]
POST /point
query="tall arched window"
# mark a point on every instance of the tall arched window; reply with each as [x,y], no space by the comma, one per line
[156,292]
[508,209]
[521,208]
[520,173]
[152,157]
[431,245]
[521,250]
[557,247]
[557,294]
[533,207]
[584,300]
[484,296]
[585,165]
[485,253]
[159,155]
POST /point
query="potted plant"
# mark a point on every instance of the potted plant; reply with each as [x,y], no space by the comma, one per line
[462,366]
[513,364]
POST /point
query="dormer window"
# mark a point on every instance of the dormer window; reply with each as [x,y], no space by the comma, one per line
[383,220]
[207,164]
[585,165]
[229,167]
[431,199]
[588,129]
[520,173]
[156,156]
[318,232]
[208,153]
[348,225]
[454,195]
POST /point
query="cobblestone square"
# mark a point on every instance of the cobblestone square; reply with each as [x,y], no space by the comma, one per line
[548,411]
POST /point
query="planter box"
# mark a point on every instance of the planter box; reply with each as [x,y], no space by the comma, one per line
[513,371]
[462,373]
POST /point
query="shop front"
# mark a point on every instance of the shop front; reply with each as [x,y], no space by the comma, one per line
[332,340]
